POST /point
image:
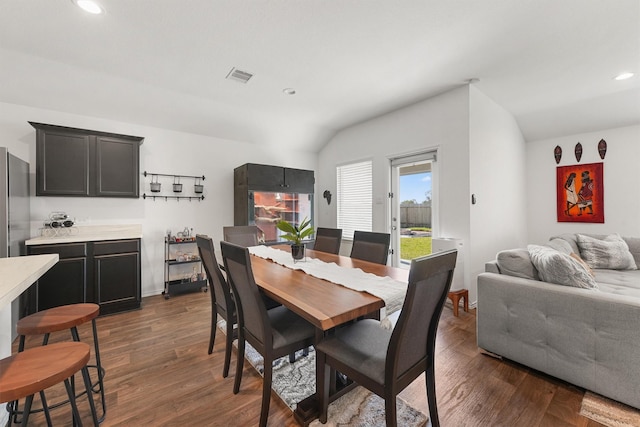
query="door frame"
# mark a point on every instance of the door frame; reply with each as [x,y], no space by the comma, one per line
[395,164]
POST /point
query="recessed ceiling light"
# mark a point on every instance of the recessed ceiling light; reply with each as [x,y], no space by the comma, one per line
[289,91]
[89,6]
[624,76]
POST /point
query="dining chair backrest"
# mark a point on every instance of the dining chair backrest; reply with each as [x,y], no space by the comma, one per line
[328,240]
[413,339]
[252,313]
[221,294]
[370,246]
[243,235]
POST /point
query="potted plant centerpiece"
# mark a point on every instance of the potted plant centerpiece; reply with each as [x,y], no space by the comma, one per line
[296,235]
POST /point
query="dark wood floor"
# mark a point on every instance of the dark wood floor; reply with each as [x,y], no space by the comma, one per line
[159,374]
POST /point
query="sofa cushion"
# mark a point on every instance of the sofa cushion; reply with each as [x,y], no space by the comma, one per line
[611,253]
[634,248]
[561,245]
[559,268]
[516,262]
[584,264]
[628,279]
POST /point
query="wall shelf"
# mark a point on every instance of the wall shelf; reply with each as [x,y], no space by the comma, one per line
[156,187]
[159,196]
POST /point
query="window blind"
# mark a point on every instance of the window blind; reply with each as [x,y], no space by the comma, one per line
[355,198]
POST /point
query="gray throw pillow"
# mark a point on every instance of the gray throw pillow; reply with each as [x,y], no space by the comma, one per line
[561,245]
[517,263]
[611,253]
[559,268]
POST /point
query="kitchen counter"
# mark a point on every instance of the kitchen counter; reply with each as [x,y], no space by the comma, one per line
[18,273]
[90,233]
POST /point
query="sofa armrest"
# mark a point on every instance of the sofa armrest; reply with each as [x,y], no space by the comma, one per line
[491,267]
[586,337]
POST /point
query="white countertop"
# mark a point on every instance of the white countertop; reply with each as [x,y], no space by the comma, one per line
[89,233]
[18,273]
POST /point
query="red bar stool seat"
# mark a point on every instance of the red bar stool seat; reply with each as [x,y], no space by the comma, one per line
[61,318]
[34,370]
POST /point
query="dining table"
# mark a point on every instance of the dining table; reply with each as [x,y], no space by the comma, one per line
[324,304]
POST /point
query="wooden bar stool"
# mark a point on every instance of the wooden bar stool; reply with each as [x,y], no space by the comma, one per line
[32,371]
[456,296]
[61,318]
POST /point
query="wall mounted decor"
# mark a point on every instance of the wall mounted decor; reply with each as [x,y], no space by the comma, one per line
[602,148]
[327,195]
[557,153]
[578,151]
[580,193]
[177,186]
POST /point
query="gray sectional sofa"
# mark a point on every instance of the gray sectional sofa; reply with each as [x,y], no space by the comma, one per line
[587,337]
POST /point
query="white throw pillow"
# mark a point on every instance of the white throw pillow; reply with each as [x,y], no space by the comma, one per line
[559,268]
[611,253]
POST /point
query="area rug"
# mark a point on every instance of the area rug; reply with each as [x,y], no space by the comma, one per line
[609,412]
[293,382]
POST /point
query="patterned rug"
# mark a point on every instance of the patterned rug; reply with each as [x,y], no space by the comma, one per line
[359,408]
[609,412]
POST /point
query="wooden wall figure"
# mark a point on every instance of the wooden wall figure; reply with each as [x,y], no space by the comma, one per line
[602,148]
[557,153]
[578,151]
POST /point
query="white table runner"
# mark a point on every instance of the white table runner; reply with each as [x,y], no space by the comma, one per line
[391,291]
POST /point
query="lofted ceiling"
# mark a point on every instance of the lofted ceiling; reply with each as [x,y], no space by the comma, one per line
[163,63]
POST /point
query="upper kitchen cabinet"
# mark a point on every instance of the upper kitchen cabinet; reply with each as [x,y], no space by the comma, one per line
[274,178]
[86,163]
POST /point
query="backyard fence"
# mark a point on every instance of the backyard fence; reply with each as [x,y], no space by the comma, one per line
[415,216]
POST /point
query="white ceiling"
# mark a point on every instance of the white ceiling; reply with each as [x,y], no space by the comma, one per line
[163,63]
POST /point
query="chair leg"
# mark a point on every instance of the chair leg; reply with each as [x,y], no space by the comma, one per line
[88,387]
[292,357]
[431,395]
[100,369]
[27,409]
[390,410]
[322,387]
[227,351]
[239,365]
[212,337]
[72,401]
[45,408]
[266,392]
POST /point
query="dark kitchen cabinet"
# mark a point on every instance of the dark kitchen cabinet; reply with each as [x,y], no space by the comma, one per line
[274,178]
[86,163]
[104,272]
[116,269]
[65,282]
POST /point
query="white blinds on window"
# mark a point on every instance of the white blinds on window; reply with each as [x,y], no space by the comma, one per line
[355,198]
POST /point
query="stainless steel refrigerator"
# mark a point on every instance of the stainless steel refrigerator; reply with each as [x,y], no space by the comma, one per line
[15,213]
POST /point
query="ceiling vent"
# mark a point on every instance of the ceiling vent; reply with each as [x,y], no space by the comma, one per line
[238,75]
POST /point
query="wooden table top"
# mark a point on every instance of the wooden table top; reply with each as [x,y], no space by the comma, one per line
[320,302]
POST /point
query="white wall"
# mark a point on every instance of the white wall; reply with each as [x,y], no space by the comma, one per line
[621,182]
[440,122]
[163,151]
[497,173]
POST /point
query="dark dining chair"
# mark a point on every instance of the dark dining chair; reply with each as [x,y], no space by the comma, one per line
[243,235]
[328,240]
[273,333]
[384,361]
[370,246]
[222,302]
[246,236]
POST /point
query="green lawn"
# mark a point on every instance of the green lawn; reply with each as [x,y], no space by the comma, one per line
[414,247]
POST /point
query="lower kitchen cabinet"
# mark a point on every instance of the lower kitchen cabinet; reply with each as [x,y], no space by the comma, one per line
[103,272]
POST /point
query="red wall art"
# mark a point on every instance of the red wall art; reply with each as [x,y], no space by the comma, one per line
[580,193]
